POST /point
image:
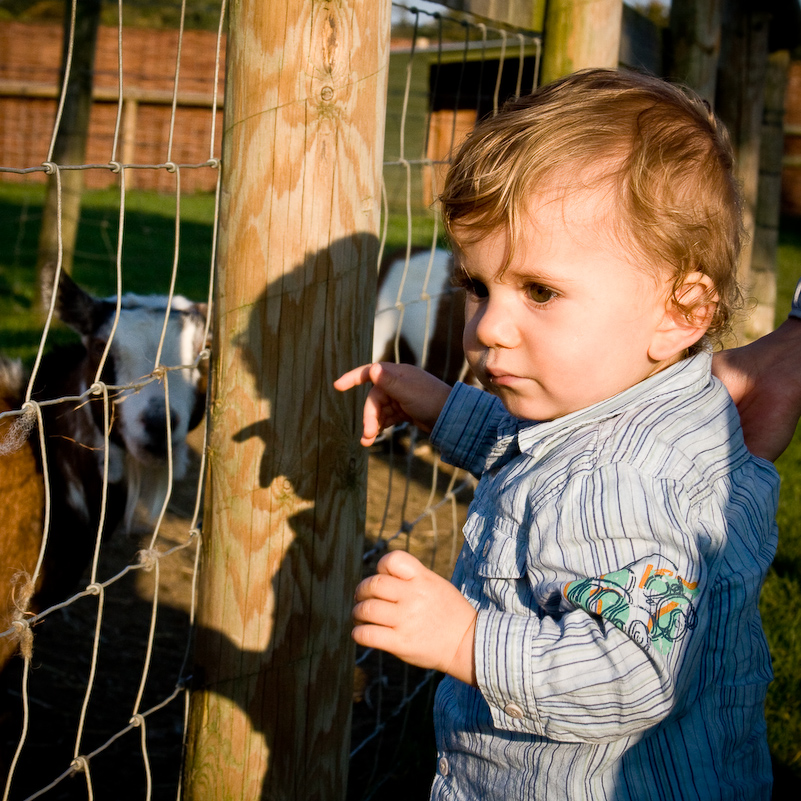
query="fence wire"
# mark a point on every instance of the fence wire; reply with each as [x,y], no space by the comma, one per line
[447,70]
[68,721]
[73,720]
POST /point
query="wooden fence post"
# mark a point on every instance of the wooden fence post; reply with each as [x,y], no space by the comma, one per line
[769,194]
[81,21]
[580,34]
[740,102]
[284,519]
[695,28]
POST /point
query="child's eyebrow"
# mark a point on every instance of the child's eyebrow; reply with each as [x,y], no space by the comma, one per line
[534,276]
[510,274]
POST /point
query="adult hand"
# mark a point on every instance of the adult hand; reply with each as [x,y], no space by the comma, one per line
[401,393]
[420,617]
[764,380]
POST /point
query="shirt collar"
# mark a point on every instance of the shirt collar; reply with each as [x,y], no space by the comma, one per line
[515,435]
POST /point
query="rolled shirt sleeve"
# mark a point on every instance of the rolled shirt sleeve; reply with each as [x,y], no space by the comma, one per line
[468,426]
[602,665]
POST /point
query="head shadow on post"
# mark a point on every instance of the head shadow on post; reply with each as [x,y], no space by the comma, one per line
[305,329]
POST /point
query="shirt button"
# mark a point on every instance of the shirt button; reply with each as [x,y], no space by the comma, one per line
[514,711]
[444,767]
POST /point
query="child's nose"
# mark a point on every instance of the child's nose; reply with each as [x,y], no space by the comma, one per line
[496,325]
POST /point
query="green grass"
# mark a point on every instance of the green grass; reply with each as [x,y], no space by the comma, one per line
[781,596]
[147,252]
[148,248]
[421,230]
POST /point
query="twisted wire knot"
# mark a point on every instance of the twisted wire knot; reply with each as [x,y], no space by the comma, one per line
[147,558]
[23,589]
[80,764]
[19,430]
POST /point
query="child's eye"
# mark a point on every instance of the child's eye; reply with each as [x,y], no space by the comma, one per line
[476,288]
[539,293]
[470,285]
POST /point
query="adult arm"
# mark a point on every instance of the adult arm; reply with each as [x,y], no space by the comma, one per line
[764,380]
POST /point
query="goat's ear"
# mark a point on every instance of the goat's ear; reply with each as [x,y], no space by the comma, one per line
[76,307]
[202,310]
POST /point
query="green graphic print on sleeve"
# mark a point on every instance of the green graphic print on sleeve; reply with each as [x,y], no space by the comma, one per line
[647,599]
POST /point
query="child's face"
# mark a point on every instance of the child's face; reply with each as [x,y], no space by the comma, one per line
[571,320]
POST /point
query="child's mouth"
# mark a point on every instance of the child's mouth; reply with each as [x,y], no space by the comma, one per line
[499,378]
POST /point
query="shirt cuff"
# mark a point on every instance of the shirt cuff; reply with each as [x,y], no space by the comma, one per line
[503,638]
[467,427]
[795,309]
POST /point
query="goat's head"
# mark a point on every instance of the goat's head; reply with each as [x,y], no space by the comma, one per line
[139,414]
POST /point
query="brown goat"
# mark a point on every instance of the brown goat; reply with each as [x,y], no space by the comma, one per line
[23,503]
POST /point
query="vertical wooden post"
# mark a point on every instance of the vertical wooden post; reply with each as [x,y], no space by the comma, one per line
[69,146]
[695,30]
[284,521]
[768,210]
[580,33]
[739,102]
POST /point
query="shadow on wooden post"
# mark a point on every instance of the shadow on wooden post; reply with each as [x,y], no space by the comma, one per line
[295,297]
[276,719]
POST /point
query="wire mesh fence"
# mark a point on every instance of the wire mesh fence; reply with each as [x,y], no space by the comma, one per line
[98,700]
[99,703]
[447,70]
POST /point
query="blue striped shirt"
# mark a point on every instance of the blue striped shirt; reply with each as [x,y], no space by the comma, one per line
[615,557]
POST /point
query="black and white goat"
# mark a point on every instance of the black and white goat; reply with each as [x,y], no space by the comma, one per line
[139,449]
[420,314]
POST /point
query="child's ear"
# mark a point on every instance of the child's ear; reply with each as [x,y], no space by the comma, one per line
[688,314]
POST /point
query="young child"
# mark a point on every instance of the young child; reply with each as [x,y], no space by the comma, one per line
[601,637]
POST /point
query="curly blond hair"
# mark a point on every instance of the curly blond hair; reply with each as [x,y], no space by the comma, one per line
[667,158]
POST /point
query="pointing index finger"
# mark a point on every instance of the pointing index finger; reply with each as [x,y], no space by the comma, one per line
[353,378]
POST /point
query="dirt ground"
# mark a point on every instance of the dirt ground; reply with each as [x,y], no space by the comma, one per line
[396,763]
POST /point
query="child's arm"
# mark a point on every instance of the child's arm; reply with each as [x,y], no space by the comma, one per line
[400,393]
[420,617]
[407,609]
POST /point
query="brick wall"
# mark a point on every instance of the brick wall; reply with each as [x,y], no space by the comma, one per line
[29,85]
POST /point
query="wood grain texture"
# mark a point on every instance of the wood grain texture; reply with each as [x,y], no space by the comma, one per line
[740,102]
[695,28]
[526,14]
[302,154]
[579,34]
